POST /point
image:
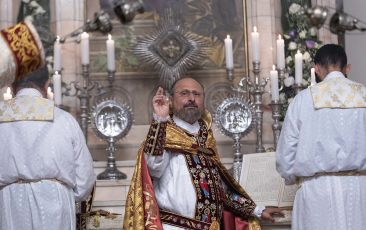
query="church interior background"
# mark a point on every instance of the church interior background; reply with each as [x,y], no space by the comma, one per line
[135,82]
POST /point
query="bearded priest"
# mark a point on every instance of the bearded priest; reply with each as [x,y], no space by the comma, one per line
[179,181]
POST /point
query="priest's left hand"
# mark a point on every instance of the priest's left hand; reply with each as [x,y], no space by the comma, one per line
[269,213]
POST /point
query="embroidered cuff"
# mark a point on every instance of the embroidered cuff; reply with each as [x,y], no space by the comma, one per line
[238,204]
[155,140]
[258,211]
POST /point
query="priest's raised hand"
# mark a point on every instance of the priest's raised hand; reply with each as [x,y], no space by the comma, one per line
[161,103]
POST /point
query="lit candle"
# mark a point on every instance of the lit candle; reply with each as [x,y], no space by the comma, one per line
[312,76]
[229,52]
[274,84]
[57,55]
[49,93]
[298,67]
[255,44]
[57,93]
[8,95]
[280,53]
[111,63]
[84,48]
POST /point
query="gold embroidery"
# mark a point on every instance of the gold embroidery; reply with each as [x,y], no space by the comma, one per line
[338,92]
[215,225]
[254,224]
[341,91]
[23,108]
[136,207]
[24,48]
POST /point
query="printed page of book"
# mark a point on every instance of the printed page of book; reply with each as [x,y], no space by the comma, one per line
[287,195]
[263,183]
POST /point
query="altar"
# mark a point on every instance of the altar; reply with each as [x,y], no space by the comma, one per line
[118,191]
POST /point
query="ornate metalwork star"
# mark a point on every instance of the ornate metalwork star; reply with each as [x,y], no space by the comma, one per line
[171,49]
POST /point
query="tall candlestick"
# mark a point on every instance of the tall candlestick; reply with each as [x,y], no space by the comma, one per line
[8,95]
[229,52]
[84,48]
[57,55]
[312,76]
[274,84]
[280,53]
[57,93]
[255,45]
[49,93]
[298,67]
[111,62]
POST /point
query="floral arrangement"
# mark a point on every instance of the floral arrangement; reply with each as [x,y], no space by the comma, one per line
[300,36]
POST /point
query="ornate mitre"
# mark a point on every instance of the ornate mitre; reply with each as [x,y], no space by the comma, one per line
[21,52]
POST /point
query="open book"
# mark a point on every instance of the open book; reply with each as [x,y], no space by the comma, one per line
[263,183]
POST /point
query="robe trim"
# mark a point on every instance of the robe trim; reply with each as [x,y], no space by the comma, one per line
[27,108]
[205,178]
[338,92]
[155,140]
[182,221]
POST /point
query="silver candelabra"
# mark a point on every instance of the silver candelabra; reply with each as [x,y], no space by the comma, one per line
[256,89]
[83,92]
[276,126]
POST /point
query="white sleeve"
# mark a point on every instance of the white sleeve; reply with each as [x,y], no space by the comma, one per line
[158,164]
[288,141]
[85,176]
[258,211]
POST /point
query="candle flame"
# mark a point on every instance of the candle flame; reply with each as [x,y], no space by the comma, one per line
[279,37]
[298,51]
[254,29]
[273,67]
[109,37]
[8,90]
[228,36]
[49,90]
[84,35]
[56,72]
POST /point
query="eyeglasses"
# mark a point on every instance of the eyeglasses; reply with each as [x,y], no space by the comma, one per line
[187,93]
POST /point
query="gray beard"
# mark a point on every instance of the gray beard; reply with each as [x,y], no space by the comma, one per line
[189,115]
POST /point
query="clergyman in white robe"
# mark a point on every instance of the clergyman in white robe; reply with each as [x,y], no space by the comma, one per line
[322,141]
[55,156]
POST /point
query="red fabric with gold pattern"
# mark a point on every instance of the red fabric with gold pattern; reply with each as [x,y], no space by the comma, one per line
[25,48]
[142,210]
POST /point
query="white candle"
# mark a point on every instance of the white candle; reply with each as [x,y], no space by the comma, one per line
[57,91]
[312,76]
[84,48]
[8,95]
[280,53]
[229,52]
[274,84]
[255,44]
[298,67]
[111,63]
[57,55]
[49,93]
